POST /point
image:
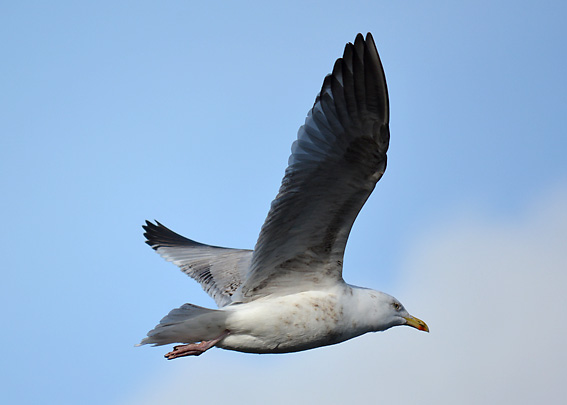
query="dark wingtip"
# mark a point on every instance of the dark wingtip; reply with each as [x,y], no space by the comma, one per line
[359,40]
[158,235]
[151,233]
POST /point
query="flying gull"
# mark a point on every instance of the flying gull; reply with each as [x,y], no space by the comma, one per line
[288,294]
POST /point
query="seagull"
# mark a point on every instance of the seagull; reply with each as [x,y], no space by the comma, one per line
[288,294]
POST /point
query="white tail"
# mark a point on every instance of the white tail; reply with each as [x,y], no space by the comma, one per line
[187,324]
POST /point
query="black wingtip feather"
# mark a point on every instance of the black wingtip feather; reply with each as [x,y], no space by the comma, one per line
[158,235]
[370,40]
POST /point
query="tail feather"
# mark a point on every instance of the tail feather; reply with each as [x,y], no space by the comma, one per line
[187,324]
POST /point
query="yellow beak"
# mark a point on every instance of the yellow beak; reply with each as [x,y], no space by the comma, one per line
[416,323]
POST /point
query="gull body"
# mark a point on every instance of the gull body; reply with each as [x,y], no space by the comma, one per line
[288,294]
[296,322]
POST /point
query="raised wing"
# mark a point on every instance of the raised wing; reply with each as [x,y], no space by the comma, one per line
[339,155]
[219,270]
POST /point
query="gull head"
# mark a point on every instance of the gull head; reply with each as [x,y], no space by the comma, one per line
[384,311]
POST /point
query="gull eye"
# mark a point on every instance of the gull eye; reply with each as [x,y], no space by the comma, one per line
[396,306]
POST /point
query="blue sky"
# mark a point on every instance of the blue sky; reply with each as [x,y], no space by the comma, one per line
[117,112]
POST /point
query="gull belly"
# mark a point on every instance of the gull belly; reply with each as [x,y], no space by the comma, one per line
[291,323]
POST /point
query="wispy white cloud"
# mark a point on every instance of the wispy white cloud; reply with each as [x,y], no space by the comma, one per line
[493,294]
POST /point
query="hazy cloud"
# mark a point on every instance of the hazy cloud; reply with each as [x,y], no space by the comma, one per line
[493,294]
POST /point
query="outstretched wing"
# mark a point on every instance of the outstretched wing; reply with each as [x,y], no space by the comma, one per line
[219,270]
[339,155]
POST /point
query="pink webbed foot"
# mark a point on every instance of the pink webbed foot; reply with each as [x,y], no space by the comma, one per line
[194,349]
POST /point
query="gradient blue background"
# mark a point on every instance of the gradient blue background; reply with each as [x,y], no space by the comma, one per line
[117,112]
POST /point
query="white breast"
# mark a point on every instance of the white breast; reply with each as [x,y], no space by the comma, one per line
[291,323]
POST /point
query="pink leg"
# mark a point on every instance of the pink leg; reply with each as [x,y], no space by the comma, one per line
[194,349]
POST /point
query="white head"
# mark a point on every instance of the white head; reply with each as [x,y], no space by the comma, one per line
[382,311]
